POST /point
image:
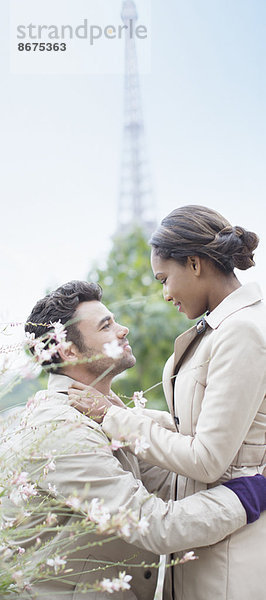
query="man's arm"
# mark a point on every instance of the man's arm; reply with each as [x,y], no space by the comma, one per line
[86,465]
[156,480]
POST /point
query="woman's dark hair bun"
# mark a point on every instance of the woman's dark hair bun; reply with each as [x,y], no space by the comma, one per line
[240,244]
[197,230]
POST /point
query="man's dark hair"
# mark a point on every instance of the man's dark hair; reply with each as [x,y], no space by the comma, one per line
[62,305]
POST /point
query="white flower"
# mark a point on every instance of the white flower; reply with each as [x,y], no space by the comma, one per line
[21,550]
[28,490]
[116,584]
[51,519]
[59,333]
[107,586]
[112,349]
[143,525]
[139,400]
[20,582]
[97,513]
[8,523]
[38,347]
[20,478]
[30,338]
[46,354]
[49,467]
[18,578]
[74,502]
[116,444]
[124,581]
[188,556]
[16,497]
[141,445]
[52,489]
[32,403]
[125,529]
[56,563]
[23,492]
[121,522]
[25,514]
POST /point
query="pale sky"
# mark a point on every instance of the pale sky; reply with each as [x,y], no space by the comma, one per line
[203,96]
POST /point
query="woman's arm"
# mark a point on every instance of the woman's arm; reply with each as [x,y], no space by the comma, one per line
[234,393]
[92,403]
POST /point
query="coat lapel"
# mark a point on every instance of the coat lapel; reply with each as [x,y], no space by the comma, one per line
[181,345]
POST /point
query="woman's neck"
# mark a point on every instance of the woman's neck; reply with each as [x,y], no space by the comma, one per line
[224,286]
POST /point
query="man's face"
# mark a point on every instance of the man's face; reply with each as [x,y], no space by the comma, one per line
[98,327]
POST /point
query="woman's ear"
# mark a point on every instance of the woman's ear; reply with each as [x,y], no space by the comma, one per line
[194,263]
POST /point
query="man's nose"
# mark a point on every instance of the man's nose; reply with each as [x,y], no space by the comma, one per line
[122,331]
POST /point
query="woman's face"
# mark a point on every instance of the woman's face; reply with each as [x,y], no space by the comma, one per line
[182,285]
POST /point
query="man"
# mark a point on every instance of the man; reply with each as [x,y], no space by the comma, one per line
[83,465]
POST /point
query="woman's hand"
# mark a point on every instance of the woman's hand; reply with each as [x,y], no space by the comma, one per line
[90,402]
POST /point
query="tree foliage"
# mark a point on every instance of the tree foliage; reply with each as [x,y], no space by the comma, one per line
[131,292]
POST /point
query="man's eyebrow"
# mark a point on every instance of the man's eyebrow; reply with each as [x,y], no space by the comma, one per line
[104,320]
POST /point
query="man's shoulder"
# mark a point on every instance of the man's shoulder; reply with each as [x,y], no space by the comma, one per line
[51,406]
[49,422]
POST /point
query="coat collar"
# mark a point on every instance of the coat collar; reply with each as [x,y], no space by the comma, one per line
[244,296]
[59,383]
[181,344]
[182,341]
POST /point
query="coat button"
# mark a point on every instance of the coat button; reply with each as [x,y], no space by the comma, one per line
[147,574]
[201,326]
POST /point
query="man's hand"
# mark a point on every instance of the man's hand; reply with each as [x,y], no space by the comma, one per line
[90,402]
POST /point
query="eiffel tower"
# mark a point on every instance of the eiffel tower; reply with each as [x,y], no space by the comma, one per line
[136,206]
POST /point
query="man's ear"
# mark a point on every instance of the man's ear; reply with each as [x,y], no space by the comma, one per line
[194,263]
[69,352]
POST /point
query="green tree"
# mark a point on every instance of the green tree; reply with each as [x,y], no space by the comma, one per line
[131,292]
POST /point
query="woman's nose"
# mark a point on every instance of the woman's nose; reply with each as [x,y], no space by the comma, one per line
[166,296]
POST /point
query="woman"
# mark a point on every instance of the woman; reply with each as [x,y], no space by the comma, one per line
[215,388]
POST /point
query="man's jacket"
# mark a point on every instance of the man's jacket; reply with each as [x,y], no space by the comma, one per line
[84,465]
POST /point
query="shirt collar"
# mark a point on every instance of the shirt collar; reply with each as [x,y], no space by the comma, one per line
[244,296]
[59,383]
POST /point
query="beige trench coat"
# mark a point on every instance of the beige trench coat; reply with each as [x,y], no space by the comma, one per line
[85,464]
[220,410]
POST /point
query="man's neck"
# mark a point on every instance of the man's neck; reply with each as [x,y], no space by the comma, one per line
[100,383]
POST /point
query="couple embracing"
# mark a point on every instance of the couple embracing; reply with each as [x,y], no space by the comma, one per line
[194,477]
